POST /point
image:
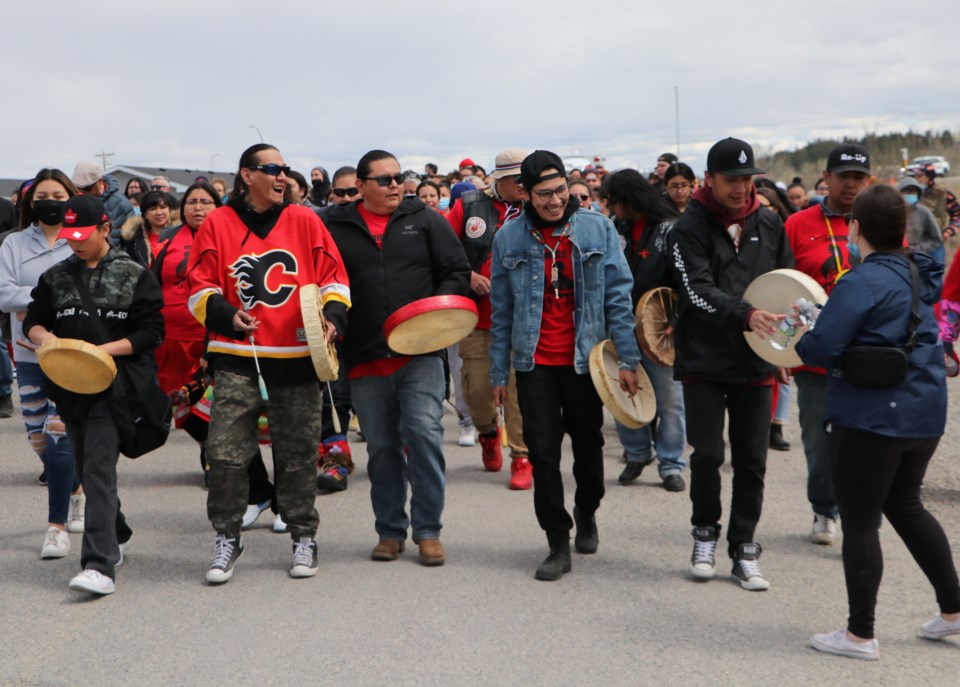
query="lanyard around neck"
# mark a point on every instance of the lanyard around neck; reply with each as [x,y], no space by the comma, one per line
[554,271]
[836,249]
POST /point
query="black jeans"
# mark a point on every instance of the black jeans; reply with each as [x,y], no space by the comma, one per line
[341,400]
[555,400]
[749,409]
[874,474]
[95,453]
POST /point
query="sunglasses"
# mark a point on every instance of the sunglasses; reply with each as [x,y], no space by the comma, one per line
[272,169]
[157,187]
[384,179]
[343,192]
[584,197]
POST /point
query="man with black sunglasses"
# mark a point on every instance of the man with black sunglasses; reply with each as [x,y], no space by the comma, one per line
[344,189]
[476,217]
[397,250]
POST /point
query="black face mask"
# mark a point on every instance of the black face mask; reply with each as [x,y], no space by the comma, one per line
[318,184]
[48,211]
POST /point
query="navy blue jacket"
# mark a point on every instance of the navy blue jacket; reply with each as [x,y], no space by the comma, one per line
[870,306]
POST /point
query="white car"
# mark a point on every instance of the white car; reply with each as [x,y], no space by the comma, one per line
[939,163]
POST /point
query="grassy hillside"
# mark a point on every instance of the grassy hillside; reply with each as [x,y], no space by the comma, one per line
[809,161]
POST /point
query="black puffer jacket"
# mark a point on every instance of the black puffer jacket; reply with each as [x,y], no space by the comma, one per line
[420,257]
[712,277]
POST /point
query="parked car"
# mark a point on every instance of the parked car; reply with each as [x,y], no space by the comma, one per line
[939,163]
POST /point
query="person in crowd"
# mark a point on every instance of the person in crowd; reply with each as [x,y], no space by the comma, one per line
[134,186]
[256,352]
[923,233]
[297,190]
[476,218]
[8,215]
[160,183]
[431,171]
[883,431]
[465,168]
[663,164]
[444,204]
[560,284]
[320,186]
[429,194]
[769,199]
[591,178]
[644,221]
[24,256]
[721,243]
[940,201]
[679,182]
[89,178]
[411,182]
[220,184]
[818,237]
[582,192]
[117,285]
[139,235]
[458,189]
[820,191]
[797,194]
[397,250]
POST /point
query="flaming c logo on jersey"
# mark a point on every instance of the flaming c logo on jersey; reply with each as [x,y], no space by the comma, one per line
[252,273]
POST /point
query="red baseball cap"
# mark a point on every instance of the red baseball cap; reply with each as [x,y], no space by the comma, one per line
[466,162]
[80,216]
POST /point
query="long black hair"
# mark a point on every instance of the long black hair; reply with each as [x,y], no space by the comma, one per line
[248,160]
[629,187]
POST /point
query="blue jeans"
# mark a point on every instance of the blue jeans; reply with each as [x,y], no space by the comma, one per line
[812,400]
[671,425]
[782,411]
[6,370]
[400,415]
[51,444]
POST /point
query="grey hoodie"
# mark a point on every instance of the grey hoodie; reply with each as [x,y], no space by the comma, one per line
[24,256]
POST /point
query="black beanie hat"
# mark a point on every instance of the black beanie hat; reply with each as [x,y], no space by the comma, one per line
[533,165]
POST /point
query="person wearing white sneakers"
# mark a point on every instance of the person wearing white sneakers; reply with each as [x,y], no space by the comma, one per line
[886,409]
[24,256]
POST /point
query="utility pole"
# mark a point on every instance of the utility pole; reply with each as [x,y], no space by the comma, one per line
[103,157]
[257,129]
[676,99]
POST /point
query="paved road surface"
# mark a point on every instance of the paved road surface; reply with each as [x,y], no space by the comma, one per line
[625,616]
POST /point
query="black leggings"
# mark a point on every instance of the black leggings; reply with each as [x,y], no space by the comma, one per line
[874,475]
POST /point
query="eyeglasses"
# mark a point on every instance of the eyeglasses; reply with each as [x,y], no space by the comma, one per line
[272,169]
[205,202]
[384,179]
[559,191]
[342,192]
[584,197]
[679,187]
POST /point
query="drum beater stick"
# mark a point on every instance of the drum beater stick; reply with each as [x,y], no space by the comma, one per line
[256,361]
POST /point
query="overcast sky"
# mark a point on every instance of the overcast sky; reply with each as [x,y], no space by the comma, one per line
[175,82]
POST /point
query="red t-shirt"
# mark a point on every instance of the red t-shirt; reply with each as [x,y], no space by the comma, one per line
[557,333]
[377,224]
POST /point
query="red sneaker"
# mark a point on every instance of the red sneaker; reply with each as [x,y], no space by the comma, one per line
[521,473]
[490,451]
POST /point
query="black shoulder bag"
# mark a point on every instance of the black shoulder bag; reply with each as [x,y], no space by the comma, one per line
[882,366]
[141,411]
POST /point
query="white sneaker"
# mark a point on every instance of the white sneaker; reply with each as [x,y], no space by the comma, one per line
[279,525]
[93,582]
[703,562]
[56,543]
[837,643]
[824,529]
[252,513]
[468,436]
[123,552]
[938,628]
[78,503]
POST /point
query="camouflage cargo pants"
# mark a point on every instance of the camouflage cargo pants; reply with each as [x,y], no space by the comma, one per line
[294,414]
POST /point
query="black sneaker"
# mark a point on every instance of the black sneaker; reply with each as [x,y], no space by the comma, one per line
[746,568]
[42,479]
[6,405]
[305,561]
[225,554]
[703,562]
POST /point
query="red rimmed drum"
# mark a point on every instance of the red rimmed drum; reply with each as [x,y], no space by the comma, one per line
[430,324]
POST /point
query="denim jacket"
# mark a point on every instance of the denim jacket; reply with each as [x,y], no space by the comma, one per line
[602,284]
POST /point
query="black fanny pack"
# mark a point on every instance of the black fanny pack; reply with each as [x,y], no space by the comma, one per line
[882,366]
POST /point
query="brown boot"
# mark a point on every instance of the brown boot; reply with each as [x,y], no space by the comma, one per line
[387,550]
[431,552]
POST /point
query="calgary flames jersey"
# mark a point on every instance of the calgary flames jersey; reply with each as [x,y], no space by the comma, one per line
[263,276]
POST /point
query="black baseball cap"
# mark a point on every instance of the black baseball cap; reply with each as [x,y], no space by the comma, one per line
[732,157]
[667,157]
[80,215]
[848,157]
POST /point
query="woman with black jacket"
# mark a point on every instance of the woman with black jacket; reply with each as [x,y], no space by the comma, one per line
[128,301]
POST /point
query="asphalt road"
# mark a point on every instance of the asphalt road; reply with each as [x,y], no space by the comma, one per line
[625,616]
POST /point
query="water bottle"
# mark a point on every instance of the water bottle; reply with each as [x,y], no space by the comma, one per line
[801,314]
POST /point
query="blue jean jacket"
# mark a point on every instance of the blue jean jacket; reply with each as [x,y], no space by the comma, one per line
[602,284]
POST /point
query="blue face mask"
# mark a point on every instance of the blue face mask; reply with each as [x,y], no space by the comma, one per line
[853,248]
[911,198]
[444,203]
[818,199]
